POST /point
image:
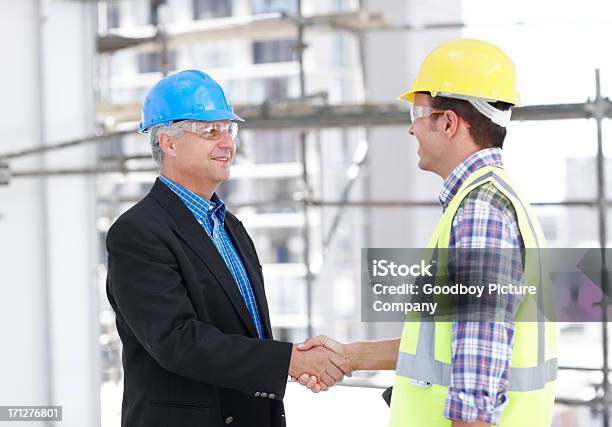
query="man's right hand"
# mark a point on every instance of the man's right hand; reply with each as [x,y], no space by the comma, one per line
[323,366]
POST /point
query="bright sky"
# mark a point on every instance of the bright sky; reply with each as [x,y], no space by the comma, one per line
[556,51]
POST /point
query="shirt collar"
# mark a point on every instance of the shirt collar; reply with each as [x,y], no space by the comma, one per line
[452,183]
[199,206]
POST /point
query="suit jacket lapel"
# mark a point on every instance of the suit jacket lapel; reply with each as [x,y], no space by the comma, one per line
[238,235]
[190,230]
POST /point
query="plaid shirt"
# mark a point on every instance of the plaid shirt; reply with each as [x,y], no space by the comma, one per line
[211,216]
[481,351]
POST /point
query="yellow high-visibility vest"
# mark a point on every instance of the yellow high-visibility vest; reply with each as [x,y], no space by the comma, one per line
[423,371]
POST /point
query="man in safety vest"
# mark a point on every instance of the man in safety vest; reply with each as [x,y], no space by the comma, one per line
[466,373]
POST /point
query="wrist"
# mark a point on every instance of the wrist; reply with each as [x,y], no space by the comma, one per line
[351,355]
[295,362]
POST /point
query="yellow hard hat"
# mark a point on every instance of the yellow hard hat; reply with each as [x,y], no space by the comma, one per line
[466,67]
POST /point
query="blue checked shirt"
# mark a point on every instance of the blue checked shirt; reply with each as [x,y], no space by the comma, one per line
[481,351]
[211,215]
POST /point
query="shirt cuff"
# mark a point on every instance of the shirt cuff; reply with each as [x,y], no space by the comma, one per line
[470,407]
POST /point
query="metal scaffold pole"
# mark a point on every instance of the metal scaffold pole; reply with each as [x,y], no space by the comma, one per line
[300,46]
[602,218]
[160,26]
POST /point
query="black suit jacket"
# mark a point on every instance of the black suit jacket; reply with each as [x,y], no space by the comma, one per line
[191,355]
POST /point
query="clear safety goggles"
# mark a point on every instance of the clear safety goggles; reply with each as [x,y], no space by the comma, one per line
[418,111]
[211,131]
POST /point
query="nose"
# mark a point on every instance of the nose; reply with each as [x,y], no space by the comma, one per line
[225,140]
[411,129]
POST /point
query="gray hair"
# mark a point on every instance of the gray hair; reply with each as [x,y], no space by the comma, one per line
[173,130]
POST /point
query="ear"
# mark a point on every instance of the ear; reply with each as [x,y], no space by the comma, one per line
[167,145]
[451,123]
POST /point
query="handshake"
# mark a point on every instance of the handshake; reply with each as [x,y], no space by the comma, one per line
[320,362]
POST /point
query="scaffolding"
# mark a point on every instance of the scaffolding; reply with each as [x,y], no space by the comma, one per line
[308,113]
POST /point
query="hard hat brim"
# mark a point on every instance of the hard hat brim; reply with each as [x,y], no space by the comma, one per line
[407,96]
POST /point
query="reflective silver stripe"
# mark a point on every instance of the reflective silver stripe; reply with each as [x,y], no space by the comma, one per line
[436,372]
[533,378]
[423,368]
[426,346]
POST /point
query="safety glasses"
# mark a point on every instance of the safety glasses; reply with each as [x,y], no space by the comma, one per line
[418,111]
[211,131]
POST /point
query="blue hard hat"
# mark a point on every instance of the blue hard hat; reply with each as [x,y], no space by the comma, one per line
[188,95]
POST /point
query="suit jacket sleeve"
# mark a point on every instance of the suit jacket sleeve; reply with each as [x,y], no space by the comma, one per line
[148,291]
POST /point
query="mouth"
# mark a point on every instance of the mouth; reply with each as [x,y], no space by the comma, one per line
[221,159]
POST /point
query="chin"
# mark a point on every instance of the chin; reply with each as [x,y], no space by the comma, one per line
[222,177]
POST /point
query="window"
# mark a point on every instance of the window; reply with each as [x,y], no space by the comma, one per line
[273,51]
[151,62]
[207,9]
[267,6]
[154,11]
[112,15]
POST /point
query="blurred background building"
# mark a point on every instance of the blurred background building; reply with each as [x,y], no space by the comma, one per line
[325,167]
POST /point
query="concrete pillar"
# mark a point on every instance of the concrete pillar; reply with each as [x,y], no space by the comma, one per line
[24,355]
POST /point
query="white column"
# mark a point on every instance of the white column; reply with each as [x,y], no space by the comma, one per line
[68,46]
[24,352]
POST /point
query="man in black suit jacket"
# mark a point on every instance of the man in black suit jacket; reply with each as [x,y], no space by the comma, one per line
[196,352]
